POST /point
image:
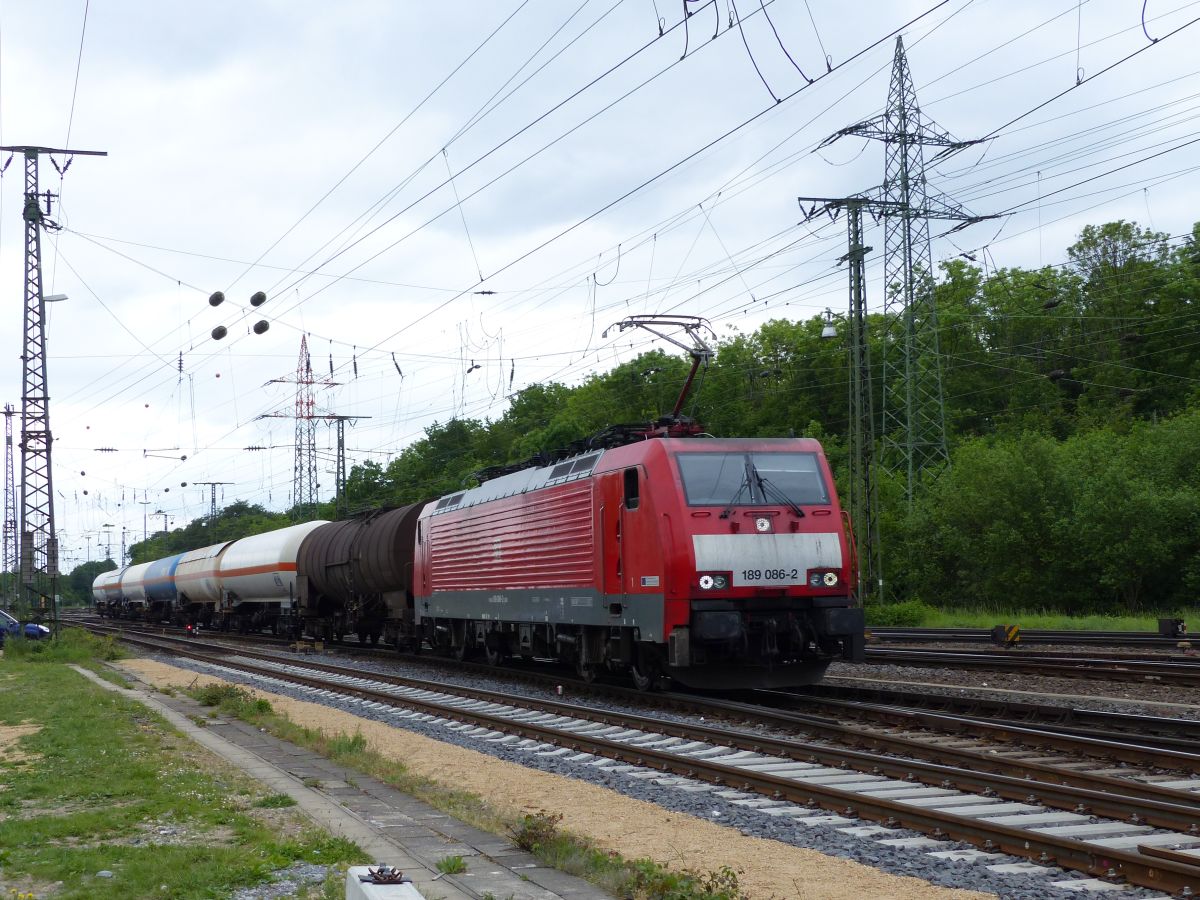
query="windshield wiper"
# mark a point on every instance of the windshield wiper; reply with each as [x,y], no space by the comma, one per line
[763,485]
[728,511]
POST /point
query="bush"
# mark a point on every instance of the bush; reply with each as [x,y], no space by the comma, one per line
[73,645]
[534,830]
[908,614]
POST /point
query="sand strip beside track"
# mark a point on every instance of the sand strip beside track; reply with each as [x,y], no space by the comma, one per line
[633,828]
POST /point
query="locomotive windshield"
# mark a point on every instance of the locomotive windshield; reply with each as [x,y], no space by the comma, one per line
[720,479]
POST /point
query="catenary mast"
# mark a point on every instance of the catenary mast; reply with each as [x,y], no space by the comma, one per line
[38,540]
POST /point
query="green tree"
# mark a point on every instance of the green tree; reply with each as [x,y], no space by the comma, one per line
[77,590]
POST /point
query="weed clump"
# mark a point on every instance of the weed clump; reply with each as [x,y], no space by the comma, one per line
[535,830]
[231,698]
[451,865]
[274,801]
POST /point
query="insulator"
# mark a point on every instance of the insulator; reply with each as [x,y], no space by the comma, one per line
[261,326]
[216,298]
[258,298]
[219,332]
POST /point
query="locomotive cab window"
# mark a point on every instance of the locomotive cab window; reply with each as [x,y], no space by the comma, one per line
[632,497]
[752,479]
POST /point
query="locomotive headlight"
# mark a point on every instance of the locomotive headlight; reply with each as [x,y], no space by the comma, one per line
[831,579]
[814,579]
[706,582]
[714,582]
[720,582]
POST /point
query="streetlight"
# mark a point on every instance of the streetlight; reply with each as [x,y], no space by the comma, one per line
[829,330]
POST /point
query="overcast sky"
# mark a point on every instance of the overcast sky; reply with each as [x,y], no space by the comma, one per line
[372,165]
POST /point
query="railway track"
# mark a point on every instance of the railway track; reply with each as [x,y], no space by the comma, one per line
[869,718]
[1164,731]
[1182,672]
[1081,820]
[1034,636]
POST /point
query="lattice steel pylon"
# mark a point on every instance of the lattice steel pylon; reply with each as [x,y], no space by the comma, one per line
[38,541]
[304,470]
[912,409]
[8,562]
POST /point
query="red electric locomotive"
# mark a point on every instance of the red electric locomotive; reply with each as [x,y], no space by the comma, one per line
[718,563]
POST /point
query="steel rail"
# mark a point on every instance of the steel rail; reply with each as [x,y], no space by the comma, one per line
[1138,754]
[1144,870]
[1164,752]
[1028,636]
[1186,674]
[994,708]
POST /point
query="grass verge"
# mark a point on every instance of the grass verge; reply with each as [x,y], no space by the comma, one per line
[917,614]
[538,833]
[91,782]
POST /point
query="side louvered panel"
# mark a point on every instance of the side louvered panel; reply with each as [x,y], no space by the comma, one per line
[538,540]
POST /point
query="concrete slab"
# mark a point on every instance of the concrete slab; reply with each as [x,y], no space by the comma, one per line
[940,802]
[826,820]
[1094,829]
[912,843]
[867,830]
[1152,840]
[965,855]
[1023,820]
[1089,886]
[1018,869]
[388,825]
[984,810]
[908,792]
[1183,784]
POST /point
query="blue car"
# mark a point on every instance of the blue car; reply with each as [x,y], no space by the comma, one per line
[11,627]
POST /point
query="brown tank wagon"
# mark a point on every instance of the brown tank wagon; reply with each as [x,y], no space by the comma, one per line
[355,576]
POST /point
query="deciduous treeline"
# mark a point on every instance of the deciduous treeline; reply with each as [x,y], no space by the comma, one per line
[1072,413]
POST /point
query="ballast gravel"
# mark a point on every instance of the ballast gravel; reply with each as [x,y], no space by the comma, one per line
[701,804]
